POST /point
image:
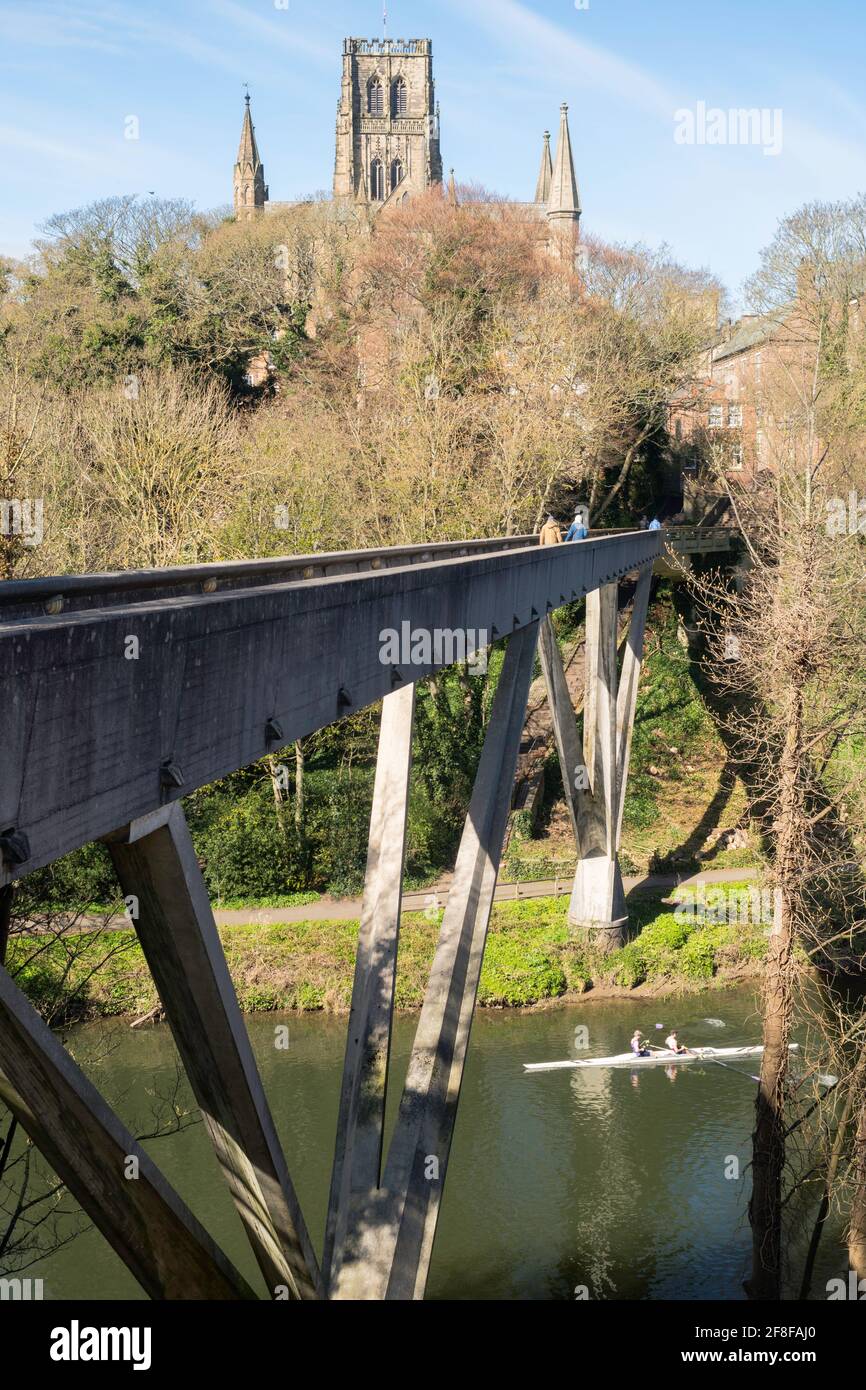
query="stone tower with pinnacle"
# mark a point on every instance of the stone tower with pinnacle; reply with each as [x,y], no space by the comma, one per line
[545,173]
[563,201]
[250,189]
[387,122]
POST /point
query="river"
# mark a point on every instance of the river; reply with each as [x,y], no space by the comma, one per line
[610,1181]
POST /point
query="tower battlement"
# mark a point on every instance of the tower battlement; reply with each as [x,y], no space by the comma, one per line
[388,47]
[387,147]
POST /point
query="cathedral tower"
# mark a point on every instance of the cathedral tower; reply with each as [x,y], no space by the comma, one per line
[250,189]
[387,122]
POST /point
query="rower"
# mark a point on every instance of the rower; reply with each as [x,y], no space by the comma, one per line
[638,1046]
[673,1042]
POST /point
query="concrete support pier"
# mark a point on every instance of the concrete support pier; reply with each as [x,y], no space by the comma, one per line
[597,900]
[595,776]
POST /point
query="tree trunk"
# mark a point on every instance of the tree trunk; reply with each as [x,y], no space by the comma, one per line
[6,895]
[276,771]
[596,511]
[824,1206]
[768,1138]
[299,788]
[857,1227]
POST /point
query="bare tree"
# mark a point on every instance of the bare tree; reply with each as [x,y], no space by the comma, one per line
[787,651]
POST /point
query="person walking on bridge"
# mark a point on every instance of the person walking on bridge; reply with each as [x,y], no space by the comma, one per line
[579,528]
[550,532]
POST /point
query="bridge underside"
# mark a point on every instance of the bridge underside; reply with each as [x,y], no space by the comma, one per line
[131,691]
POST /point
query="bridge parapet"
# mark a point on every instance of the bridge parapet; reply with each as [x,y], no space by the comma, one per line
[97,703]
[31,598]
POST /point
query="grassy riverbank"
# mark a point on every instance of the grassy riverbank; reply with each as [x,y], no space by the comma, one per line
[530,958]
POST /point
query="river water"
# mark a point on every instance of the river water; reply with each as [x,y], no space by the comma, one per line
[610,1180]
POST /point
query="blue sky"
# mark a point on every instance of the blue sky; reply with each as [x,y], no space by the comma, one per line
[72,71]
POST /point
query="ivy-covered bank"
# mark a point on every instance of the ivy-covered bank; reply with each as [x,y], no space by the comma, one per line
[529,959]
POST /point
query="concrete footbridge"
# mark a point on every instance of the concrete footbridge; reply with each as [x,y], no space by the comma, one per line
[120,694]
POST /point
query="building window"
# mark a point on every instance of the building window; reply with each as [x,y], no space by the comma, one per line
[717,417]
[375,97]
[396,172]
[735,464]
[377,181]
[735,417]
[399,97]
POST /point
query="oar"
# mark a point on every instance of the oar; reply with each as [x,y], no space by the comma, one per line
[719,1063]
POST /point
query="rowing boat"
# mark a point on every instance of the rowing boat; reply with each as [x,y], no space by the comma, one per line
[661,1057]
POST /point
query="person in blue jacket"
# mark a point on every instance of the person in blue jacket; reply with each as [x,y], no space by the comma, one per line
[655,524]
[578,530]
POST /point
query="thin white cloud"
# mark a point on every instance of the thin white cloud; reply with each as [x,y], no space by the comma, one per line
[110,28]
[853,110]
[823,156]
[273,31]
[48,26]
[30,142]
[158,32]
[571,59]
[131,165]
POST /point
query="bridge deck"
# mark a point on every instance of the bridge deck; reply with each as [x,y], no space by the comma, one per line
[146,686]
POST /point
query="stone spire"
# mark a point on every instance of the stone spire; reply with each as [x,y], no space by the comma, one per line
[542,190]
[564,201]
[250,189]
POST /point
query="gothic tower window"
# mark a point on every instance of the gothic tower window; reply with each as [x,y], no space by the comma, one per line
[377,181]
[375,97]
[387,111]
[399,97]
[396,172]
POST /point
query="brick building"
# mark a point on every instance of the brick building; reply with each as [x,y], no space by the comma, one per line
[718,413]
[736,417]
